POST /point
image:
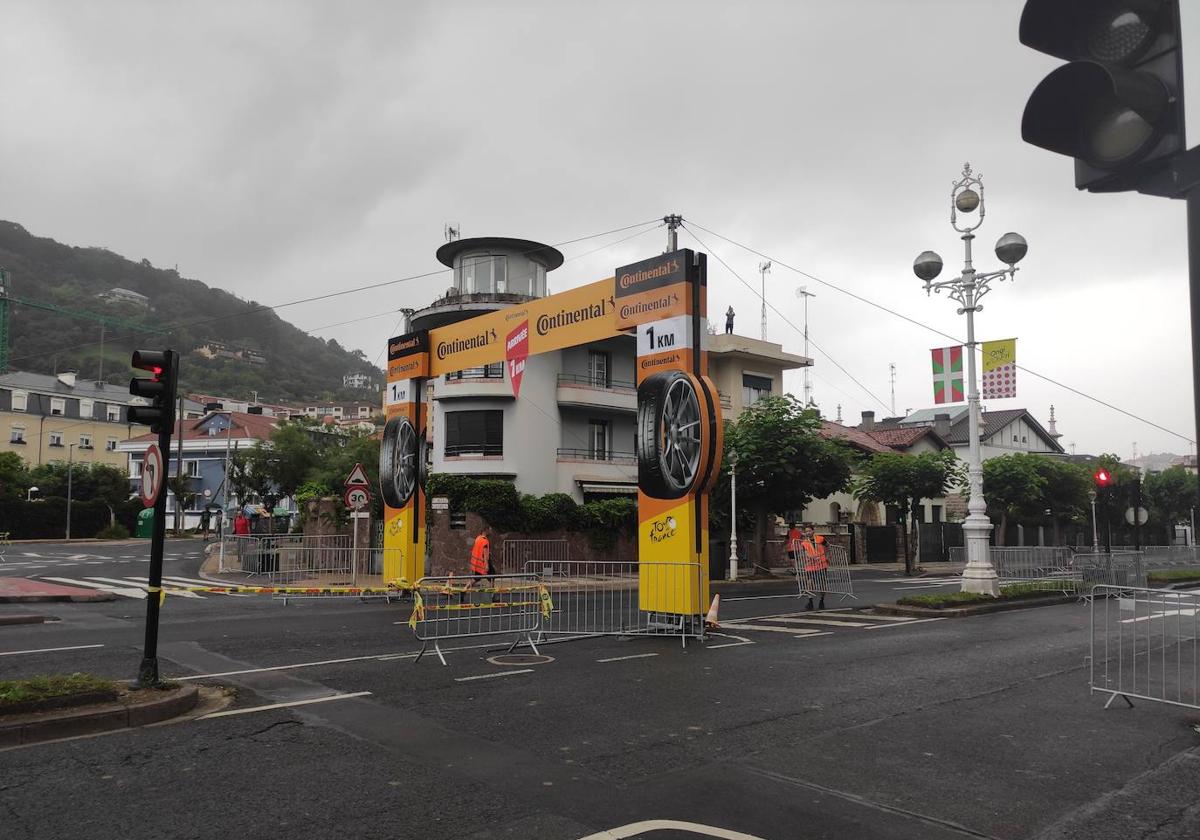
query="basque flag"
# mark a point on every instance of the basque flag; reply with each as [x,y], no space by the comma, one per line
[947,374]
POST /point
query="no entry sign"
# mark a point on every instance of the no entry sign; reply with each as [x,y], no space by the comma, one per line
[154,475]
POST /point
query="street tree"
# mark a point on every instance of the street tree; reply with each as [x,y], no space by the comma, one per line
[783,462]
[1064,493]
[1013,486]
[904,481]
[1171,495]
[14,476]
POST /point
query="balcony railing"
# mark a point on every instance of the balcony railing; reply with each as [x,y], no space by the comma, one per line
[460,450]
[569,454]
[595,381]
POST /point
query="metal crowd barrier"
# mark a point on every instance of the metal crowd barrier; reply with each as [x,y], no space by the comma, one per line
[1144,645]
[624,599]
[1043,567]
[461,607]
[834,580]
[544,556]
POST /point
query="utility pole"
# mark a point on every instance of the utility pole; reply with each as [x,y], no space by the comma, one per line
[70,476]
[804,293]
[763,268]
[672,222]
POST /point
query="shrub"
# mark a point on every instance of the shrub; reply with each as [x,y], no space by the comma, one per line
[116,531]
[13,692]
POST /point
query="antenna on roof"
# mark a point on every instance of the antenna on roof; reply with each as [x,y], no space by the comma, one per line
[839,414]
[892,368]
[452,231]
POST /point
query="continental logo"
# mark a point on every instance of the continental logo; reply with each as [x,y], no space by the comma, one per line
[663,529]
[629,279]
[398,347]
[412,366]
[407,345]
[629,311]
[459,345]
[666,360]
[568,317]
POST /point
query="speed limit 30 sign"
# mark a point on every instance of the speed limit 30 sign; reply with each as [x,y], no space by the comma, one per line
[357,497]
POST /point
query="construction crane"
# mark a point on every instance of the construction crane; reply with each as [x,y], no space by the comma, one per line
[7,298]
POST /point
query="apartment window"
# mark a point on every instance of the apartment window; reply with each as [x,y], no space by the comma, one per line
[598,439]
[364,411]
[56,439]
[474,433]
[135,468]
[191,469]
[935,513]
[754,388]
[483,274]
[111,445]
[599,367]
[58,406]
[113,413]
[17,434]
[85,441]
[85,409]
[20,400]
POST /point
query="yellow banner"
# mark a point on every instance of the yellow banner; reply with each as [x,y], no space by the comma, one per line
[999,353]
[566,319]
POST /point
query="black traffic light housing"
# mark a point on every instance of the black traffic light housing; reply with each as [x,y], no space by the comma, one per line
[1103,478]
[158,388]
[1117,106]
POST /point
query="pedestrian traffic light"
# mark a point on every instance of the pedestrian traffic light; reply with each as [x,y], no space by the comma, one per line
[158,388]
[1117,105]
[1103,478]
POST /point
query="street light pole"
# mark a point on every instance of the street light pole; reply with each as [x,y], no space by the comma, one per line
[733,558]
[70,475]
[1095,530]
[968,289]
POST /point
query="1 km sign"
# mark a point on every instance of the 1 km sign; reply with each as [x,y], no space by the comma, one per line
[154,475]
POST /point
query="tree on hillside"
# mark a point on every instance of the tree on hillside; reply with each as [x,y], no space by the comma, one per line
[1013,486]
[904,482]
[783,463]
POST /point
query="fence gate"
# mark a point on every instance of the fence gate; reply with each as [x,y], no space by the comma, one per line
[881,543]
[542,557]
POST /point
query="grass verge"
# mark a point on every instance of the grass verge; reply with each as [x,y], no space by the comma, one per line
[1172,575]
[18,694]
[944,600]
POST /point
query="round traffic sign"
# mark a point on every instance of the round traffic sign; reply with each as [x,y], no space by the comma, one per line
[1142,516]
[357,498]
[153,475]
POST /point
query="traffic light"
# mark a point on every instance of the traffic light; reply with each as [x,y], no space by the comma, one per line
[1117,105]
[1103,479]
[158,388]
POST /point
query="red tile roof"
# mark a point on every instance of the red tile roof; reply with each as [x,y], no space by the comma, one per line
[855,437]
[903,438]
[245,427]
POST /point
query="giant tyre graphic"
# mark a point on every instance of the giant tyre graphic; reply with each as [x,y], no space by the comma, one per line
[671,438]
[401,461]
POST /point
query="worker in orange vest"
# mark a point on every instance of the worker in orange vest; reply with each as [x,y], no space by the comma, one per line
[793,537]
[815,563]
[481,559]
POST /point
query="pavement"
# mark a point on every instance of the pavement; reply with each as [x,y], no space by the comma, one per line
[785,724]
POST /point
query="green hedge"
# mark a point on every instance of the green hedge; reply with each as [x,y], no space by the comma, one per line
[47,518]
[506,510]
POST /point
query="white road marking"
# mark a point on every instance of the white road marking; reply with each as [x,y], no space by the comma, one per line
[741,640]
[791,631]
[172,589]
[623,658]
[497,674]
[876,617]
[283,705]
[145,583]
[634,829]
[49,650]
[933,586]
[116,590]
[914,621]
[824,621]
[760,597]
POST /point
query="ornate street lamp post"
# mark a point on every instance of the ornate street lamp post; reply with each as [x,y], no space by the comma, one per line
[966,197]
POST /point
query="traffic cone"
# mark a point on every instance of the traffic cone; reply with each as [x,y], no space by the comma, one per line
[710,620]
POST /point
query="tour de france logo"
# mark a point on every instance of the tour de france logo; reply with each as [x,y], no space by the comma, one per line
[395,527]
[662,529]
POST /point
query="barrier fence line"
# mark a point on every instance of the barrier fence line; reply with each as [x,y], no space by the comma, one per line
[543,556]
[818,582]
[1144,645]
[460,607]
[304,561]
[624,599]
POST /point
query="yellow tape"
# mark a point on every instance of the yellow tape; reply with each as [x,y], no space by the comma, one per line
[547,604]
[418,611]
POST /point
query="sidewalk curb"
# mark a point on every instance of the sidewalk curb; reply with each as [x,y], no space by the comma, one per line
[99,596]
[35,727]
[975,609]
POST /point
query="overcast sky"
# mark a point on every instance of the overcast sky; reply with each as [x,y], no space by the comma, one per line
[279,150]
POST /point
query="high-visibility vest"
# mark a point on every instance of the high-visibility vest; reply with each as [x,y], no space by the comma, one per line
[479,555]
[816,555]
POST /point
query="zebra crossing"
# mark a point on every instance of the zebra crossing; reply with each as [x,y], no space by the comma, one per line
[921,583]
[810,624]
[136,586]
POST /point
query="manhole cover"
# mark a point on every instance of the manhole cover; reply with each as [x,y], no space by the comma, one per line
[520,659]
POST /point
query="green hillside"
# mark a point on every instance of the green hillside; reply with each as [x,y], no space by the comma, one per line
[299,367]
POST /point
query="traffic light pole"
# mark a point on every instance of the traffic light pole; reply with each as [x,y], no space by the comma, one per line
[1193,237]
[148,674]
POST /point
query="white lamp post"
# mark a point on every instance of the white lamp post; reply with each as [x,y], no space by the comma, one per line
[966,196]
[1095,532]
[29,493]
[733,558]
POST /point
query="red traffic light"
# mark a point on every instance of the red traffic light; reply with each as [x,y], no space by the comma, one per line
[1103,478]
